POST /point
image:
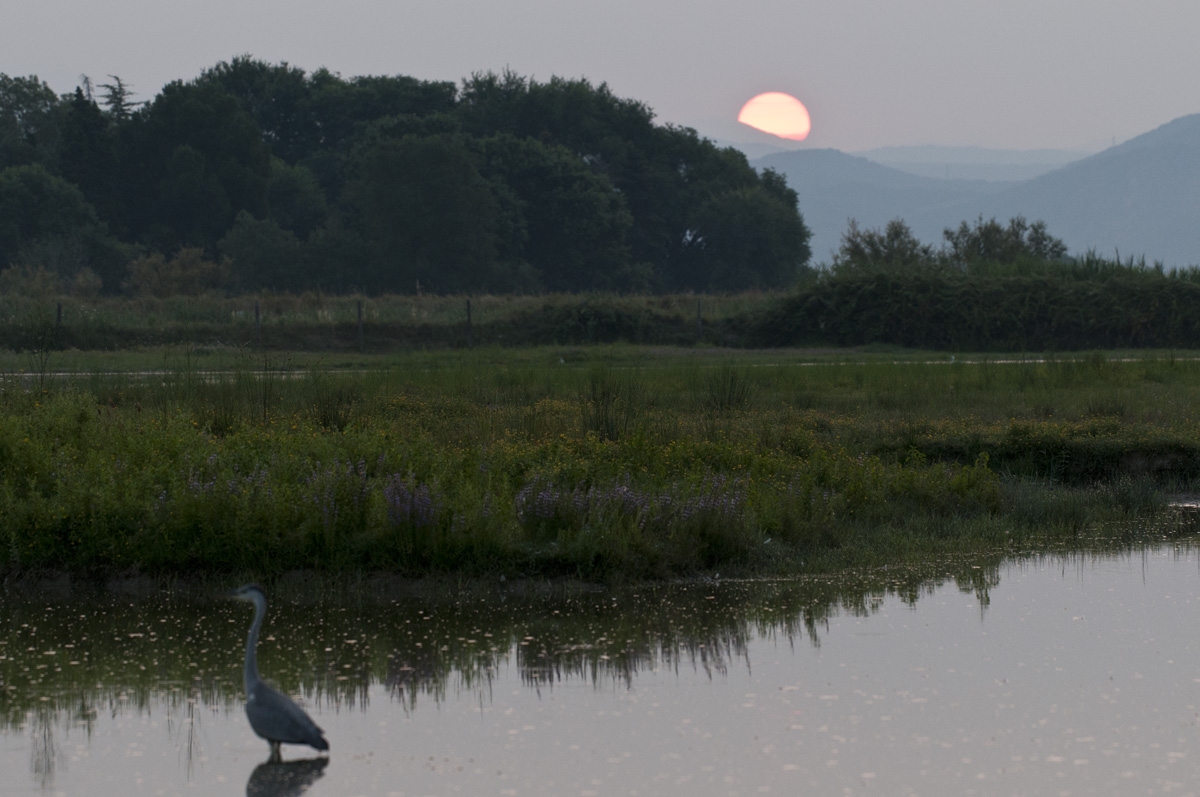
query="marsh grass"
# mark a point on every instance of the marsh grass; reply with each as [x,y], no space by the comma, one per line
[613,402]
[725,388]
[329,323]
[613,462]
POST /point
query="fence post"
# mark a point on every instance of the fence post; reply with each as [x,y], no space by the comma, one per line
[360,326]
[699,322]
[58,316]
[257,327]
[469,341]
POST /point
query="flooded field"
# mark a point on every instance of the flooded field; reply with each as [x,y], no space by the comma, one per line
[1050,675]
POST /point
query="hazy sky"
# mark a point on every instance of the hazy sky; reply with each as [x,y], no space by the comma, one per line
[1024,74]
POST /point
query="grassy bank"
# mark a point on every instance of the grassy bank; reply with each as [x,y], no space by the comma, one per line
[329,323]
[609,462]
[1061,307]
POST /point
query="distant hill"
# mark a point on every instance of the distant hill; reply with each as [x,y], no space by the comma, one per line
[835,187]
[973,163]
[753,149]
[1141,197]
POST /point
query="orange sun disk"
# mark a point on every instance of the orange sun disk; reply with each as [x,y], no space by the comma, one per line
[778,114]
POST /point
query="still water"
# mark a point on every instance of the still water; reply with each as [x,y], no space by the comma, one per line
[1075,674]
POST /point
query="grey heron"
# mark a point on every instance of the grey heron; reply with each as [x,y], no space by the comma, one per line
[273,715]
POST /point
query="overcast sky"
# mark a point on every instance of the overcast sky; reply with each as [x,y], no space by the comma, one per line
[1074,74]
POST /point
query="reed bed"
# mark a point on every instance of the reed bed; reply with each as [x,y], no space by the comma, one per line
[611,462]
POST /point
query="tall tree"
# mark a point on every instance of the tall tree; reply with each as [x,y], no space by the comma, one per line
[989,242]
[341,107]
[46,222]
[190,161]
[895,249]
[668,177]
[87,156]
[28,125]
[34,204]
[747,238]
[295,198]
[263,255]
[118,99]
[429,217]
[278,97]
[575,222]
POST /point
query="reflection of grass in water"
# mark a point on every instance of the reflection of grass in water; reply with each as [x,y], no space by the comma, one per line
[329,642]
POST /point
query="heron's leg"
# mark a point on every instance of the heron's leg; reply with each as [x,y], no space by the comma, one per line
[276,757]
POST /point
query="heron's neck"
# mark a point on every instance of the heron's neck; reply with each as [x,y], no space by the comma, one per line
[260,611]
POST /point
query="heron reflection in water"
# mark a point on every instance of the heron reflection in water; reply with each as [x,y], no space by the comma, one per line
[273,715]
[285,779]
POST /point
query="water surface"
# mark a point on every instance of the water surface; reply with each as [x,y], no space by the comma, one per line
[1063,674]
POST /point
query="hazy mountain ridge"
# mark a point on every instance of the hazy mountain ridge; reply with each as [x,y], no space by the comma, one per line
[835,187]
[973,163]
[1141,197]
[971,155]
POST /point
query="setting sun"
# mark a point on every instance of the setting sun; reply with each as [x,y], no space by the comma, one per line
[778,114]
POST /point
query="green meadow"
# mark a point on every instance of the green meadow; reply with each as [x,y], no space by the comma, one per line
[602,462]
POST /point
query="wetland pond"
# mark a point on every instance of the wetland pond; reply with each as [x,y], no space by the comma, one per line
[1051,674]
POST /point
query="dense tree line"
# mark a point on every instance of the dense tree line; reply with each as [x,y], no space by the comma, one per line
[991,286]
[982,249]
[263,176]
